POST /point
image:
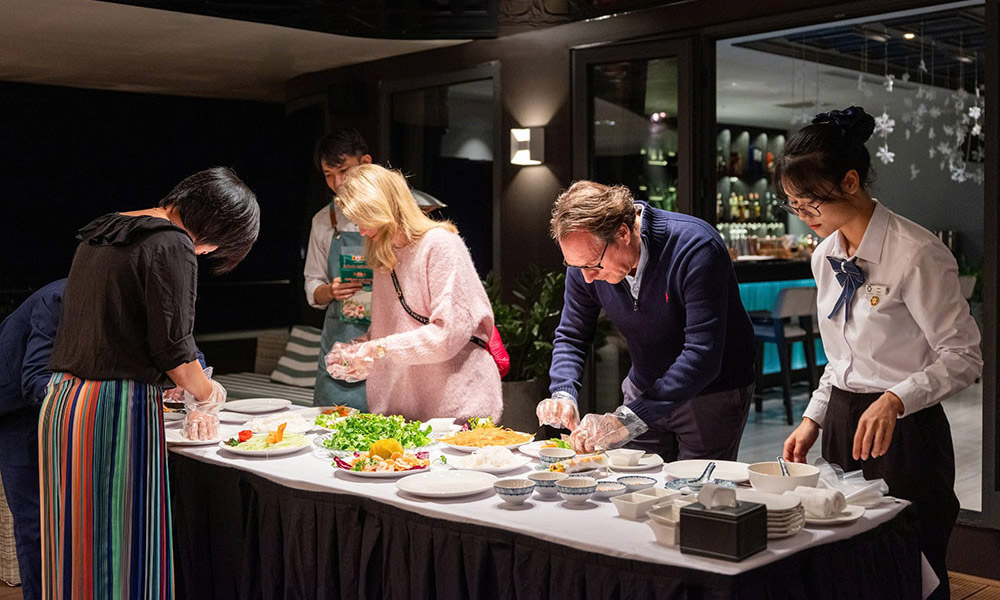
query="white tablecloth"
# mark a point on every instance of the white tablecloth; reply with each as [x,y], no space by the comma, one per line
[593,527]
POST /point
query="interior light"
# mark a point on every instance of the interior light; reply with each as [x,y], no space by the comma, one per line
[527,146]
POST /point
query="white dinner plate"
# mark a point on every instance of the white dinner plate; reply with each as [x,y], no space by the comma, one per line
[383,474]
[532,448]
[447,484]
[278,452]
[474,448]
[458,462]
[172,416]
[852,513]
[257,406]
[175,437]
[783,534]
[724,469]
[648,461]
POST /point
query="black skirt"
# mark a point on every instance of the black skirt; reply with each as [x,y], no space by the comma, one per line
[919,466]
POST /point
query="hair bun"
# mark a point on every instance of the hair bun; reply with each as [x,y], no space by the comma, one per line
[856,125]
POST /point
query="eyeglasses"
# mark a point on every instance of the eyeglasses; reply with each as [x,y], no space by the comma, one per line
[596,267]
[808,210]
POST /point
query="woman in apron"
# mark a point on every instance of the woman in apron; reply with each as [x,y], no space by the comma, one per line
[896,330]
[337,327]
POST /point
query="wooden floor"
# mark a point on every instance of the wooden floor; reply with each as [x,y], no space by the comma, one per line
[963,587]
[766,431]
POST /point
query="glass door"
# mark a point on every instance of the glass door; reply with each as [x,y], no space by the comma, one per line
[632,115]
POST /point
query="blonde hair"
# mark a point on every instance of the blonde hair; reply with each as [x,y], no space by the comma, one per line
[374,197]
[592,207]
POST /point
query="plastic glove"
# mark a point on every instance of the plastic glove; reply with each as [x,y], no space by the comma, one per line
[201,421]
[352,362]
[558,411]
[174,394]
[607,431]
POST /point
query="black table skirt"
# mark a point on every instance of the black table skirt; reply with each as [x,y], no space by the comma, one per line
[240,536]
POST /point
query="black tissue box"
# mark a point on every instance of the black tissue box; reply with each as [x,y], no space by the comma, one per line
[729,533]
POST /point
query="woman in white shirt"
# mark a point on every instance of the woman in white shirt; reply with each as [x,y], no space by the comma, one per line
[896,330]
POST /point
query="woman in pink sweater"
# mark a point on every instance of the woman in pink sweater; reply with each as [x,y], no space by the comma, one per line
[414,369]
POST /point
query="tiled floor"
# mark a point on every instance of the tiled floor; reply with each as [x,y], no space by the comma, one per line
[766,431]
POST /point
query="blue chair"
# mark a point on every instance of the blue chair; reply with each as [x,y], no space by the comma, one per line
[789,321]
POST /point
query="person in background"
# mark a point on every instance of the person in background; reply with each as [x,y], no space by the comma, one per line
[26,340]
[126,333]
[331,235]
[667,282]
[419,359]
[896,330]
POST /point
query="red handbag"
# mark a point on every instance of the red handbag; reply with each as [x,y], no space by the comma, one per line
[494,346]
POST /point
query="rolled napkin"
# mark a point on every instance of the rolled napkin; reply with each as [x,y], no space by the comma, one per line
[820,504]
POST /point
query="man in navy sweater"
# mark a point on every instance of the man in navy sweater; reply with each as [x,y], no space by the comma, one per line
[666,281]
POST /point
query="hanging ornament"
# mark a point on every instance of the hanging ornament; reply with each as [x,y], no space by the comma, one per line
[905,77]
[930,133]
[914,171]
[906,133]
[884,124]
[923,66]
[888,82]
[884,155]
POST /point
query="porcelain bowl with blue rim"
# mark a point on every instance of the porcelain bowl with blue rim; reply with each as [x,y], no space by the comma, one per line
[576,490]
[545,481]
[549,456]
[634,483]
[514,491]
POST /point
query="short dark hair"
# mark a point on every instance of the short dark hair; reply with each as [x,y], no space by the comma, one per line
[817,157]
[218,209]
[337,145]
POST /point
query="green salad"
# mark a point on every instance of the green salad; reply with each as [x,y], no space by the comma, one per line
[259,442]
[359,432]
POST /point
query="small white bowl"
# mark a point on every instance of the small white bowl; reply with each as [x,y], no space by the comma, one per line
[666,535]
[576,490]
[634,483]
[514,491]
[550,456]
[625,457]
[633,506]
[440,424]
[767,477]
[607,488]
[545,481]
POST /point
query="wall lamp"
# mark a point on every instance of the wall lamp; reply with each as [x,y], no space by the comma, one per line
[527,146]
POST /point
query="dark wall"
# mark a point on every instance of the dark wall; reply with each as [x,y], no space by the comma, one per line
[69,155]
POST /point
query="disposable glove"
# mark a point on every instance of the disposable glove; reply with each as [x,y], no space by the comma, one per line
[604,432]
[201,419]
[558,411]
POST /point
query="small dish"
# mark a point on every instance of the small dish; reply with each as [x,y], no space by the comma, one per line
[767,477]
[634,483]
[549,456]
[545,481]
[633,506]
[660,494]
[666,535]
[664,514]
[607,488]
[576,490]
[625,457]
[514,491]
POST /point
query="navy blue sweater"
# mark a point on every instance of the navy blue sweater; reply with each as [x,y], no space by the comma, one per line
[687,333]
[26,338]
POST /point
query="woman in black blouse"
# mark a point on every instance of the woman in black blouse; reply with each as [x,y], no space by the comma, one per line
[126,334]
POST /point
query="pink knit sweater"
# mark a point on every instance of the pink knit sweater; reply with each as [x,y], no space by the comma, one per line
[433,370]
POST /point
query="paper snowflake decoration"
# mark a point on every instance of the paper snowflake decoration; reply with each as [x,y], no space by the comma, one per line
[884,155]
[931,152]
[884,124]
[958,172]
[975,112]
[949,130]
[905,77]
[976,130]
[923,66]
[889,81]
[914,171]
[906,134]
[930,134]
[934,112]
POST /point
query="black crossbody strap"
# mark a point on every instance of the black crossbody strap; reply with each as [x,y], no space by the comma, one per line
[421,318]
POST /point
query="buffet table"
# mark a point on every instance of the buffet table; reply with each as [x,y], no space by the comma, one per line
[293,527]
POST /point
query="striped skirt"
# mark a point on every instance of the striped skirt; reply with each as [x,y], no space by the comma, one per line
[104,494]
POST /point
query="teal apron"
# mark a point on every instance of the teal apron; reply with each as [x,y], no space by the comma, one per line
[330,391]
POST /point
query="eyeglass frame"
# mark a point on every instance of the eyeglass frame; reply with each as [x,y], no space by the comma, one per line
[596,267]
[806,209]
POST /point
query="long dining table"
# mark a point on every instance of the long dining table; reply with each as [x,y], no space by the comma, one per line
[294,526]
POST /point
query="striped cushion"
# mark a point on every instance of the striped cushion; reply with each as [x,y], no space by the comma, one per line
[297,366]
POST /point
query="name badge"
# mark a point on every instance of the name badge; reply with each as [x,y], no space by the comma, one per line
[876,292]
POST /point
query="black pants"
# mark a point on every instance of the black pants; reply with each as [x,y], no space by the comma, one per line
[919,467]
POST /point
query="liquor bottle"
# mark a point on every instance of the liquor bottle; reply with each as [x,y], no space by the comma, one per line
[756,206]
[718,207]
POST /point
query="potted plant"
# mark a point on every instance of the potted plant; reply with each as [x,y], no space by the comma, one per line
[528,327]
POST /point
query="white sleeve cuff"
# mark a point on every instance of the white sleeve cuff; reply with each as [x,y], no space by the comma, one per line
[311,286]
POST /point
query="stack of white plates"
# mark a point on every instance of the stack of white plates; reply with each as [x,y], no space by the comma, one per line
[785,514]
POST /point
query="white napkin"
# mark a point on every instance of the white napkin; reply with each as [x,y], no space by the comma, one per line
[715,496]
[821,504]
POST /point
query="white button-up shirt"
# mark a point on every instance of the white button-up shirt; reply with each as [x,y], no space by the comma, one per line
[910,332]
[318,250]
